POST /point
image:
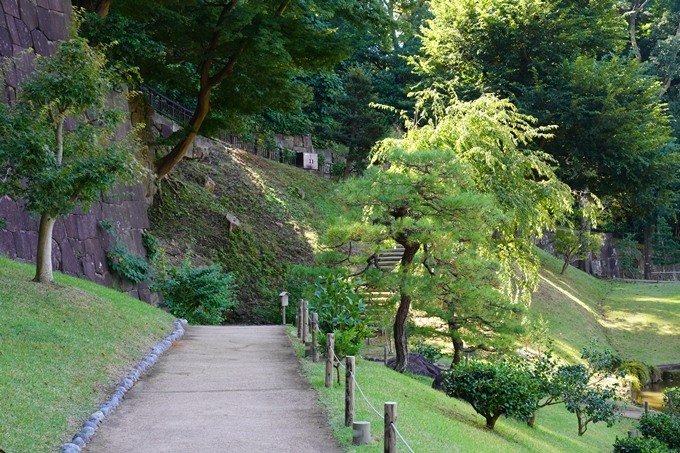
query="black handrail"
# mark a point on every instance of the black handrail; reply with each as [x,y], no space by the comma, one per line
[165,106]
[176,112]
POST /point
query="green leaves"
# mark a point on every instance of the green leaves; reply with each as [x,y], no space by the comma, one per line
[493,388]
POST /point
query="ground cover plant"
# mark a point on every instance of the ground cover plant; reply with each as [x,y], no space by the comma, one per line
[432,422]
[63,348]
[281,209]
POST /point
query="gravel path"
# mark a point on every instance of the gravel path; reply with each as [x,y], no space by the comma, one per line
[220,389]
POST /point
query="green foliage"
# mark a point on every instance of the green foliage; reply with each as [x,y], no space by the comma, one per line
[429,351]
[583,388]
[342,312]
[51,168]
[461,194]
[662,426]
[128,265]
[628,255]
[637,374]
[201,295]
[564,63]
[671,399]
[493,389]
[640,445]
[150,243]
[3,224]
[666,249]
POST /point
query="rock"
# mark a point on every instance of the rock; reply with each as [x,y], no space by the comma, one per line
[418,365]
[301,193]
[233,222]
[209,184]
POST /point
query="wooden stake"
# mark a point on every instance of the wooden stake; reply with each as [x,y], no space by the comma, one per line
[349,390]
[315,340]
[390,434]
[330,358]
[305,322]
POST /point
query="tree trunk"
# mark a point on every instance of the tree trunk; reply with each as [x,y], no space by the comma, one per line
[348,169]
[532,420]
[491,420]
[457,342]
[565,265]
[168,162]
[647,251]
[400,341]
[43,268]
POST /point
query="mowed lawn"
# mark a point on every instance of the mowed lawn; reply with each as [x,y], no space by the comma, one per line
[63,348]
[432,422]
[643,321]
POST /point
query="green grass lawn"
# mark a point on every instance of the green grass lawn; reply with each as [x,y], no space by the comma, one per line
[63,348]
[640,321]
[643,321]
[432,422]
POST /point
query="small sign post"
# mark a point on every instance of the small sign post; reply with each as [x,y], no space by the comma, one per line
[284,304]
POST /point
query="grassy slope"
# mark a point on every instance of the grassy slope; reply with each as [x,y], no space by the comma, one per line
[640,321]
[432,422]
[62,350]
[278,225]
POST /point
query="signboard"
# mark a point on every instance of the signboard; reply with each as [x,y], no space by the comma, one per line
[311,161]
[284,299]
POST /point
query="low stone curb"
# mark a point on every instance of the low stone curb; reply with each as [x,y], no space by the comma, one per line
[92,424]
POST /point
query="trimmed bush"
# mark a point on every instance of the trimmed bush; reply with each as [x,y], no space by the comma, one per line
[201,295]
[664,427]
[640,445]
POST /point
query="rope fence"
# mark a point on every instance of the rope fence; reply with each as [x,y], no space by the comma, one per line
[309,324]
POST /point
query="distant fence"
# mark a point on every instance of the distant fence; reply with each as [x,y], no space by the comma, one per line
[176,112]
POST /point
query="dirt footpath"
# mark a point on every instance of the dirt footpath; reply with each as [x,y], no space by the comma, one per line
[220,389]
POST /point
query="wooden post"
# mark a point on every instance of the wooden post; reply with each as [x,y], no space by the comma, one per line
[385,355]
[349,390]
[315,340]
[330,358]
[283,315]
[298,319]
[305,322]
[646,407]
[390,434]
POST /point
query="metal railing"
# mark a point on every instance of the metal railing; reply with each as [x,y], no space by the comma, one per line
[165,106]
[176,112]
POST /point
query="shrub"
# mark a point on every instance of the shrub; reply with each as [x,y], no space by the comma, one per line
[663,426]
[131,266]
[640,445]
[671,399]
[430,352]
[201,295]
[493,389]
[341,311]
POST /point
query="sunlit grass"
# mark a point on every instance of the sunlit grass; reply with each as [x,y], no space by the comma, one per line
[643,320]
[62,349]
[639,321]
[432,422]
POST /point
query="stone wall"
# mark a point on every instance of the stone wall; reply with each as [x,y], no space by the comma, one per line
[602,264]
[79,243]
[36,24]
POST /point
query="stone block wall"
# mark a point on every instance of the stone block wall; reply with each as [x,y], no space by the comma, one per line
[36,24]
[79,243]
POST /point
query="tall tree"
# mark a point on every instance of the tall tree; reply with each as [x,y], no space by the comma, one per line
[557,60]
[460,193]
[241,56]
[50,166]
[360,125]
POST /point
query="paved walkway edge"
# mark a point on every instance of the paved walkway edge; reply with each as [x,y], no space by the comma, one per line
[92,424]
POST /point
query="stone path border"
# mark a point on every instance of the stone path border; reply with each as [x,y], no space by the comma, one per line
[92,424]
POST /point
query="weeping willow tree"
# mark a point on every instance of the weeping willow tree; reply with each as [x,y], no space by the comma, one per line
[465,195]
